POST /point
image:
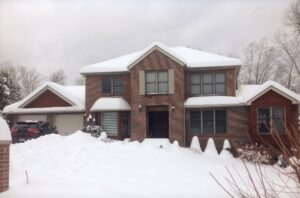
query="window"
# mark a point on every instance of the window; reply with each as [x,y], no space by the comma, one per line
[157,82]
[208,83]
[208,121]
[269,119]
[110,123]
[196,84]
[112,85]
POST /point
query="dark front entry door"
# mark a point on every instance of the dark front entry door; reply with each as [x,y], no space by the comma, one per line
[158,124]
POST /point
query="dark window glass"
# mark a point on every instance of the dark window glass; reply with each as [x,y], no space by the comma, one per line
[195,121]
[208,121]
[220,118]
[112,85]
[195,84]
[278,119]
[157,82]
[263,120]
[106,85]
[220,83]
[207,84]
[118,86]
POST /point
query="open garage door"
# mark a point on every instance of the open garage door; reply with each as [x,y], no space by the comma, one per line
[32,117]
[68,123]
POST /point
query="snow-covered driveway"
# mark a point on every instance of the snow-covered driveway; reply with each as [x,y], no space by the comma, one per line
[82,166]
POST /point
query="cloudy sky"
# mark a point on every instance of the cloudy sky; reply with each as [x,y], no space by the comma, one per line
[68,34]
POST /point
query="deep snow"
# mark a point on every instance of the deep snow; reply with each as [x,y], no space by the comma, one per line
[82,166]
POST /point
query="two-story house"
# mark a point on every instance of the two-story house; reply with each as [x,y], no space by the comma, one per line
[175,93]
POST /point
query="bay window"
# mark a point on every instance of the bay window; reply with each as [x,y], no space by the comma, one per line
[270,119]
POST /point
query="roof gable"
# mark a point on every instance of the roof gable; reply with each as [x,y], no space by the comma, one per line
[47,99]
[259,90]
[155,46]
[59,90]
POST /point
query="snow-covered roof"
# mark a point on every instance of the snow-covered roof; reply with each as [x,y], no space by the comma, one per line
[5,134]
[74,95]
[111,104]
[191,58]
[245,95]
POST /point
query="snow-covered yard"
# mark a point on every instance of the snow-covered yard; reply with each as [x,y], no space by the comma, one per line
[82,166]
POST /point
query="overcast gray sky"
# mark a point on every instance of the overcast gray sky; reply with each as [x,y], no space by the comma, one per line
[68,34]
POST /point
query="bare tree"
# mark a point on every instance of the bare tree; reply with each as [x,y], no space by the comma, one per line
[30,79]
[258,62]
[80,80]
[293,16]
[58,77]
[288,46]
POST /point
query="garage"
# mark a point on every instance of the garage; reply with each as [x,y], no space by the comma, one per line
[68,123]
[32,117]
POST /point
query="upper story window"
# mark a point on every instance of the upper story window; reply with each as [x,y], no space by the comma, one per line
[208,84]
[112,85]
[157,82]
[270,119]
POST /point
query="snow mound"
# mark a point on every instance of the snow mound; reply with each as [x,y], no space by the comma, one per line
[175,145]
[210,149]
[103,136]
[157,142]
[4,131]
[225,151]
[195,145]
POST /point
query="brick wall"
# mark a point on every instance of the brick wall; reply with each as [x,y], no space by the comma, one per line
[156,60]
[4,165]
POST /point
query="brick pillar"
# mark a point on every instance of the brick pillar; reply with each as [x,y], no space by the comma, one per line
[4,165]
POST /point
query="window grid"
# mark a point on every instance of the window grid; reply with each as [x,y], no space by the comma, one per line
[214,122]
[271,117]
[214,83]
[157,82]
[115,84]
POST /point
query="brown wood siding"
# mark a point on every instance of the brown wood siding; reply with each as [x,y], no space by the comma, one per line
[157,61]
[230,80]
[47,99]
[271,99]
[237,128]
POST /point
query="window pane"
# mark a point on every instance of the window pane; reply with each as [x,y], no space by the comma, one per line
[278,119]
[118,86]
[106,85]
[195,89]
[150,88]
[195,121]
[150,76]
[208,121]
[207,78]
[221,125]
[163,88]
[263,120]
[196,79]
[219,77]
[110,123]
[163,76]
[208,89]
[220,89]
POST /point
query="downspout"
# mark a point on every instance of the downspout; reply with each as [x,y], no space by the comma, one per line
[184,132]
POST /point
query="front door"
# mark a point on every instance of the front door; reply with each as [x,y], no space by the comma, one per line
[158,124]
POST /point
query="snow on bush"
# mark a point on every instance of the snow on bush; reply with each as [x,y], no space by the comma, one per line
[254,153]
[211,148]
[225,153]
[103,136]
[195,145]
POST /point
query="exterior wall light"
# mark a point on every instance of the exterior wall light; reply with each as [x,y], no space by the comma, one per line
[172,107]
[140,108]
